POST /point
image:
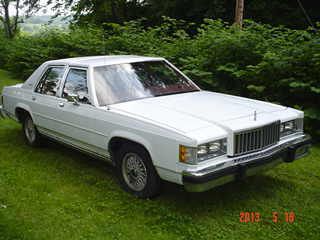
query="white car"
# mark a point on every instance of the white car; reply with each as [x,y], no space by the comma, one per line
[152,122]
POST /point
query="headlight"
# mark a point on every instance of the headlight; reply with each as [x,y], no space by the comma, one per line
[203,152]
[289,127]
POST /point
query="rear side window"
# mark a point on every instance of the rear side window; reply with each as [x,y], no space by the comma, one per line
[49,82]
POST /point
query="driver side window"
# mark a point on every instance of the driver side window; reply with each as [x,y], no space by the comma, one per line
[76,84]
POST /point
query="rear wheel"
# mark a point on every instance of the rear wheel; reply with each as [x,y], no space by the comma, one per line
[136,172]
[30,131]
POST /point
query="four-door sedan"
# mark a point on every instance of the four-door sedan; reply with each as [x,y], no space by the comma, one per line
[152,122]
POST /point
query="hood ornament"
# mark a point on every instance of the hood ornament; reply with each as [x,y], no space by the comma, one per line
[255,116]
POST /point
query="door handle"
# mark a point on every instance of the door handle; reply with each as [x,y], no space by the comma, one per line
[33,98]
[61,104]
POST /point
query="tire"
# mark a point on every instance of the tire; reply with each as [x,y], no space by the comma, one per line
[31,134]
[136,172]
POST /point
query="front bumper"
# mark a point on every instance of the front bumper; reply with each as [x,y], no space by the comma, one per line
[246,165]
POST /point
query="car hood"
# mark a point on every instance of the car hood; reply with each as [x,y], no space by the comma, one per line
[190,111]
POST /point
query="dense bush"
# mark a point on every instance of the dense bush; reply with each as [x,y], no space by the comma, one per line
[260,61]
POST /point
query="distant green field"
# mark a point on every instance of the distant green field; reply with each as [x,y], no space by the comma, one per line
[57,193]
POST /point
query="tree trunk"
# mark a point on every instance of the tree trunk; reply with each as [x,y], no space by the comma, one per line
[16,18]
[238,20]
[6,19]
[114,11]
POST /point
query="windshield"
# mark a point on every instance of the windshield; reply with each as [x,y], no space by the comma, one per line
[131,81]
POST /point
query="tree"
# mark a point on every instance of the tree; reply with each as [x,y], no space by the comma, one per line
[99,11]
[10,23]
[275,12]
[238,19]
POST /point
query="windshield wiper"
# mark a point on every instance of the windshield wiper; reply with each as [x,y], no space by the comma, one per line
[172,93]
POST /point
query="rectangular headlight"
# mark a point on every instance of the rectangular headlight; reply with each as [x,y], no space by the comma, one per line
[203,152]
[290,127]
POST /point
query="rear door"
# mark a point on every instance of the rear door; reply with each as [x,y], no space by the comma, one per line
[44,102]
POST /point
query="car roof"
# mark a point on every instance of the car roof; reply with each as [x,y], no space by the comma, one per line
[95,61]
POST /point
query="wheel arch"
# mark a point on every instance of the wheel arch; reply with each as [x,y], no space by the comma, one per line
[21,110]
[119,138]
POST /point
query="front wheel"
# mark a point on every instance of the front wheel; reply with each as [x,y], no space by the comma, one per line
[136,172]
[30,131]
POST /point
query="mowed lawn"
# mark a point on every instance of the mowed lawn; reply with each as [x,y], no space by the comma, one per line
[53,192]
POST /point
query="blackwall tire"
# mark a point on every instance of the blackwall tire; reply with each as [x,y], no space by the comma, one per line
[136,172]
[31,134]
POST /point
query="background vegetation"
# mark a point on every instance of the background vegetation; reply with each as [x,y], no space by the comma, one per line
[275,12]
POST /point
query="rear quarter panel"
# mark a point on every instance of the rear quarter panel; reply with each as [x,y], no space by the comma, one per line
[14,96]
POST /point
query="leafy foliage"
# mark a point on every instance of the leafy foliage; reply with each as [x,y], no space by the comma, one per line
[269,63]
[285,12]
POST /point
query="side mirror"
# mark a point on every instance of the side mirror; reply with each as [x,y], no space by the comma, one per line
[74,98]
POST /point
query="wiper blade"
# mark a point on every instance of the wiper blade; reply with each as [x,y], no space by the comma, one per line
[171,93]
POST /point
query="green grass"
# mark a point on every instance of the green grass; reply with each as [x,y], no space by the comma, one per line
[6,79]
[57,193]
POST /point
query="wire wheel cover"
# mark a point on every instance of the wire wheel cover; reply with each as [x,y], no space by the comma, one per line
[134,171]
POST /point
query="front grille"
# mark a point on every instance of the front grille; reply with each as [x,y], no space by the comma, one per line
[256,139]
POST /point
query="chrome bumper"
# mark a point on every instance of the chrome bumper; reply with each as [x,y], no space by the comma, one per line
[246,165]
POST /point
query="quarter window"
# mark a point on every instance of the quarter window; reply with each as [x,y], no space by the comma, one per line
[49,82]
[76,84]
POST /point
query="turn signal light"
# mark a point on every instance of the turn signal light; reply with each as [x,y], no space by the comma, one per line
[182,153]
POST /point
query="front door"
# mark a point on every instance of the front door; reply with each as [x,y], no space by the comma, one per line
[77,118]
